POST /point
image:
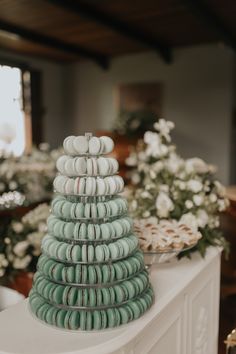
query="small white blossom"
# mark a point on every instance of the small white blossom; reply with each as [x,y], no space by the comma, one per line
[188,204]
[198,199]
[164,127]
[194,185]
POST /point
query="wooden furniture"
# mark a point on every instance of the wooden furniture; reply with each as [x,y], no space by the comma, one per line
[228,225]
[183,320]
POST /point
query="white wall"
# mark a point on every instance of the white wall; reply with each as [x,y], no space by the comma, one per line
[55,124]
[198,97]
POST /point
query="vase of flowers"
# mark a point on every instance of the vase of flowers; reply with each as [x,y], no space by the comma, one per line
[167,187]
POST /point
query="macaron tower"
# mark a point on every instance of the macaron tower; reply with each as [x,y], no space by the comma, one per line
[91,274]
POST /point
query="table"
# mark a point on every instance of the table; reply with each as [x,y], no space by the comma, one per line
[183,320]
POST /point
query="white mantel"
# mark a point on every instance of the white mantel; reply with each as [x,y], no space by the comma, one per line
[183,320]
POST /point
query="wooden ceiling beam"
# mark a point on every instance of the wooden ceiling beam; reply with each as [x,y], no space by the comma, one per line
[207,16]
[54,43]
[86,10]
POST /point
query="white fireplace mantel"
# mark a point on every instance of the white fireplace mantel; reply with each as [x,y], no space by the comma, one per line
[183,320]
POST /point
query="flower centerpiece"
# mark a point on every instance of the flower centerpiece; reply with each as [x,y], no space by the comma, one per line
[21,244]
[28,178]
[168,187]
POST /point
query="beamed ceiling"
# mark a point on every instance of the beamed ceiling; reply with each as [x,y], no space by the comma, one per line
[69,30]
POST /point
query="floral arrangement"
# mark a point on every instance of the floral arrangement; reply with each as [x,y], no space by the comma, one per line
[21,245]
[27,179]
[168,187]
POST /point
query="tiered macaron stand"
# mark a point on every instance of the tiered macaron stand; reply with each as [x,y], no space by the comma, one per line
[94,311]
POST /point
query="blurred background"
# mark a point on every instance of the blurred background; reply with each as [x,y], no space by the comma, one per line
[110,67]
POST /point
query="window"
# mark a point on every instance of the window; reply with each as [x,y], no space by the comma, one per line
[15,126]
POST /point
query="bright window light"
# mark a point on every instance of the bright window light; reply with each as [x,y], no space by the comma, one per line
[12,118]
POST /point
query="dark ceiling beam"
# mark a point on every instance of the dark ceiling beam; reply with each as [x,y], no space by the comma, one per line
[86,10]
[207,16]
[51,42]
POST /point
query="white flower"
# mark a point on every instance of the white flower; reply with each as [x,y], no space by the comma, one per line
[190,220]
[21,263]
[194,185]
[182,185]
[154,147]
[213,198]
[146,214]
[198,199]
[158,166]
[17,227]
[202,218]
[164,127]
[188,204]
[20,248]
[173,163]
[163,205]
[146,194]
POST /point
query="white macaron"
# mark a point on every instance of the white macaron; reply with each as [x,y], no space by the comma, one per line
[94,145]
[80,165]
[80,144]
[108,144]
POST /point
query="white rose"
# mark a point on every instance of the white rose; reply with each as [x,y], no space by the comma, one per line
[163,205]
[188,204]
[202,218]
[194,185]
[190,220]
[20,248]
[198,199]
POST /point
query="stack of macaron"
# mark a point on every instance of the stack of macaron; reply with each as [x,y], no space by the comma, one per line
[66,209]
[91,274]
[81,230]
[92,166]
[89,186]
[87,319]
